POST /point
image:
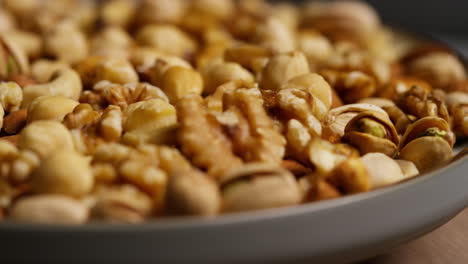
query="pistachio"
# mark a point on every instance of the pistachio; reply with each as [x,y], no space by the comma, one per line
[382,170]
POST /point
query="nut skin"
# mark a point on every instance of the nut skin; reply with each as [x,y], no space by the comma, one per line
[15,121]
[259,186]
[45,137]
[50,108]
[63,172]
[49,209]
[183,198]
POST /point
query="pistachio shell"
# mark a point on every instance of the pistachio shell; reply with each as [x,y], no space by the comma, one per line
[259,186]
[382,170]
[427,153]
[418,127]
[408,168]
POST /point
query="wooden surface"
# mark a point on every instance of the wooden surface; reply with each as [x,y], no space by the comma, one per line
[447,244]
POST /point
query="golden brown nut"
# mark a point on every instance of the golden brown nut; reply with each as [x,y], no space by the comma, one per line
[372,132]
[49,209]
[118,12]
[427,143]
[111,42]
[152,121]
[30,42]
[350,176]
[313,84]
[165,11]
[247,55]
[316,47]
[44,137]
[43,69]
[11,96]
[352,20]
[15,121]
[179,81]
[400,85]
[399,118]
[351,86]
[162,63]
[50,107]
[197,129]
[218,74]
[156,36]
[282,68]
[254,137]
[13,58]
[259,186]
[457,103]
[65,82]
[183,199]
[63,172]
[66,43]
[439,69]
[274,35]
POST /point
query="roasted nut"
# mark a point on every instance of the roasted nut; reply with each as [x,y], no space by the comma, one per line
[220,9]
[118,12]
[50,107]
[15,121]
[179,81]
[316,47]
[156,36]
[66,43]
[13,58]
[258,186]
[315,85]
[157,11]
[31,43]
[439,69]
[427,143]
[274,35]
[408,168]
[457,103]
[372,132]
[197,128]
[44,137]
[255,136]
[220,73]
[42,69]
[323,191]
[11,96]
[64,82]
[121,204]
[382,170]
[111,42]
[352,20]
[152,121]
[282,68]
[400,85]
[115,69]
[399,118]
[49,209]
[182,198]
[63,172]
[350,176]
[111,123]
[351,86]
[247,55]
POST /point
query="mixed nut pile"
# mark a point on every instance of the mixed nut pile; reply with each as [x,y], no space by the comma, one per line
[123,111]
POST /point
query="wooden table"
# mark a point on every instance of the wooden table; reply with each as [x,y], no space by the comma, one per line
[446,245]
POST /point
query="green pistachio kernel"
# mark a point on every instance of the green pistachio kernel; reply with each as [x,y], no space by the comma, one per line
[372,127]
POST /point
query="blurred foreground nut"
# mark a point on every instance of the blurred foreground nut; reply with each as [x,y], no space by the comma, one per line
[282,68]
[156,36]
[13,59]
[192,193]
[382,170]
[427,143]
[179,81]
[121,204]
[372,132]
[152,121]
[408,168]
[218,74]
[11,96]
[63,172]
[350,176]
[259,186]
[15,121]
[439,69]
[49,209]
[50,107]
[66,43]
[65,82]
[45,137]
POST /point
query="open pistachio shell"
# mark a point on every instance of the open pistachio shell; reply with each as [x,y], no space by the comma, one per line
[427,153]
[416,129]
[259,186]
[383,137]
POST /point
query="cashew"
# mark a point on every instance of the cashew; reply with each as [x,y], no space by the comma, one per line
[44,137]
[49,209]
[11,96]
[50,107]
[63,172]
[64,82]
[66,43]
